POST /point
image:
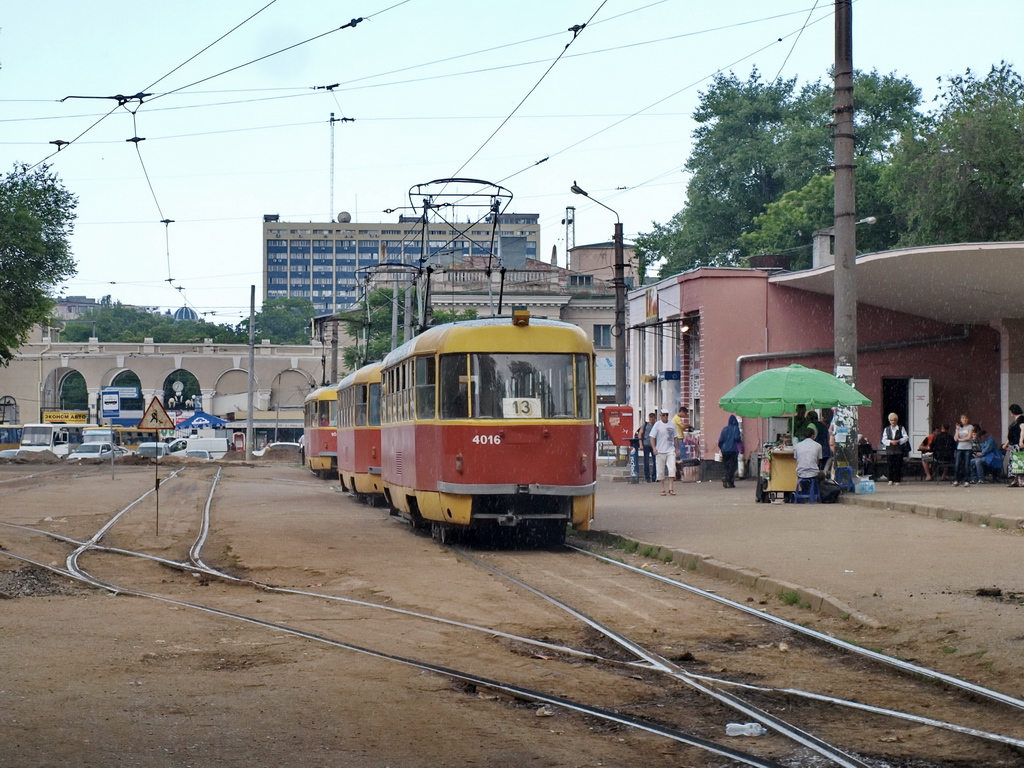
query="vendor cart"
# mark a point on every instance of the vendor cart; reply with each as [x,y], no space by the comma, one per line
[777,476]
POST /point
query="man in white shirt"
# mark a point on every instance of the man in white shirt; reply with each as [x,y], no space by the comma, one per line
[808,455]
[663,437]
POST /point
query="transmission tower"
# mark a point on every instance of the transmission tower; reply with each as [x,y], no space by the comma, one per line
[570,231]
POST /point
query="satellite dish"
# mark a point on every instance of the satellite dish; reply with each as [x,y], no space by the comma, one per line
[344,217]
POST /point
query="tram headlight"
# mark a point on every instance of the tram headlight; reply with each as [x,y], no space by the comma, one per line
[584,463]
[458,463]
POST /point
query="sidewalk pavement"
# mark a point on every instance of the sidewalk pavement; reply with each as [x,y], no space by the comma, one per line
[864,557]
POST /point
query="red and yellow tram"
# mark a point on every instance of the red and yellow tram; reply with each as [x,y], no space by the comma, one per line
[489,424]
[320,433]
[359,457]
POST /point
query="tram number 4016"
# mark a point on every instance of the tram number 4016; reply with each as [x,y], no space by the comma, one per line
[487,439]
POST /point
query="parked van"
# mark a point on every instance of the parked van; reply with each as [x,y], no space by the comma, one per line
[217,446]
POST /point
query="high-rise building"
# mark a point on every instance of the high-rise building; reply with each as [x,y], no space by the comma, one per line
[328,262]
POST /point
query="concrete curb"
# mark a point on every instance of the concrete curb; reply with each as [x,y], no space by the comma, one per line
[813,599]
[939,513]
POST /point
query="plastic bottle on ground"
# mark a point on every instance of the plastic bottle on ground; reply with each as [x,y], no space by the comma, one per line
[745,729]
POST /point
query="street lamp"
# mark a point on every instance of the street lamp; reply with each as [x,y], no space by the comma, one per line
[619,281]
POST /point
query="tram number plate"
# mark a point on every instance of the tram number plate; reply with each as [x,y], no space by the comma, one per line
[487,439]
[521,407]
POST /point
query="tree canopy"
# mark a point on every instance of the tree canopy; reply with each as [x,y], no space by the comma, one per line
[372,329]
[114,322]
[760,167]
[959,178]
[283,321]
[36,221]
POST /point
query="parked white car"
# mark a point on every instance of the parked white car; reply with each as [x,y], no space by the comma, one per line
[100,451]
[261,451]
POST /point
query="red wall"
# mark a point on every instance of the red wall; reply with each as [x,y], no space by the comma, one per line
[741,314]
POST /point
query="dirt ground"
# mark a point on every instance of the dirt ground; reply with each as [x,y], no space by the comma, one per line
[89,678]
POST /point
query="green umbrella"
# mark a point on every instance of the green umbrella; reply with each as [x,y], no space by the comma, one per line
[778,391]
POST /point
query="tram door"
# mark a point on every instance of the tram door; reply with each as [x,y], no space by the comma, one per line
[911,400]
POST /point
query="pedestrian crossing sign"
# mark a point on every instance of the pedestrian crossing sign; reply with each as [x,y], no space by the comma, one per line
[156,417]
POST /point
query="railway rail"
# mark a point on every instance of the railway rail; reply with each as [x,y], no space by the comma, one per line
[643,659]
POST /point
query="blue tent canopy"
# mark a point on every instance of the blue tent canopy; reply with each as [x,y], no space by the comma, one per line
[201,419]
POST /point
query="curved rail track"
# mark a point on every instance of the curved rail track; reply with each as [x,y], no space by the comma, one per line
[642,658]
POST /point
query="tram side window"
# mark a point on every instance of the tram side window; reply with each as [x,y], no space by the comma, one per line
[360,405]
[583,404]
[454,383]
[375,405]
[425,380]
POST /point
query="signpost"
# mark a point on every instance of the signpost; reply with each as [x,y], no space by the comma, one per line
[156,418]
[110,400]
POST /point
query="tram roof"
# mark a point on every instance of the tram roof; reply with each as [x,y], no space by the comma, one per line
[493,334]
[322,393]
[368,374]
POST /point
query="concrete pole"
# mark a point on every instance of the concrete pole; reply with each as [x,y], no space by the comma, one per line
[845,307]
[249,436]
[845,228]
[334,349]
[620,318]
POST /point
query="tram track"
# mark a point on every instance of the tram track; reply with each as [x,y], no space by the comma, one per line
[713,685]
[75,571]
[647,663]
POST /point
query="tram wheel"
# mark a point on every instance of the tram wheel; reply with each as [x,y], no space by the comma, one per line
[442,534]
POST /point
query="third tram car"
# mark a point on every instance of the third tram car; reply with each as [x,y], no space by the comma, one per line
[489,425]
[320,433]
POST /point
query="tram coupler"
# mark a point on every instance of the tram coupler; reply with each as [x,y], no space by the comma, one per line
[508,521]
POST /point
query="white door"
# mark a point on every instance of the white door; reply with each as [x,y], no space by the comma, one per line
[919,410]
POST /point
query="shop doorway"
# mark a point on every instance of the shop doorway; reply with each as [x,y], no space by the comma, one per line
[911,400]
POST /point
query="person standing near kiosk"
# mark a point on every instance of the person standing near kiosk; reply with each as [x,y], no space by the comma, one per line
[662,439]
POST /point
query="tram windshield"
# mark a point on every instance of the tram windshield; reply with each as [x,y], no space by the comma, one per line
[515,386]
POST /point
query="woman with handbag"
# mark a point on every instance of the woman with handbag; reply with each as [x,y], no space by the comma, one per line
[895,440]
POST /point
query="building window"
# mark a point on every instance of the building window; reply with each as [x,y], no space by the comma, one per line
[603,336]
[581,279]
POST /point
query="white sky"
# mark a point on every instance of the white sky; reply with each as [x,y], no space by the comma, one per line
[613,114]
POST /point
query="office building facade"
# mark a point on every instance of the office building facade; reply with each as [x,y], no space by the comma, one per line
[329,262]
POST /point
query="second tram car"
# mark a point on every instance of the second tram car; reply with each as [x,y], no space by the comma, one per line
[359,457]
[320,433]
[489,425]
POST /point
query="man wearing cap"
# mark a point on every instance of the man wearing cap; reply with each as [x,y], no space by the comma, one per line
[662,437]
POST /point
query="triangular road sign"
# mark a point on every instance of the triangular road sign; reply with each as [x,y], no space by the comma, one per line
[156,417]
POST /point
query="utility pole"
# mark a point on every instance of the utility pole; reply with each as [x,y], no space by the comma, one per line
[845,307]
[334,349]
[619,281]
[620,317]
[249,437]
[845,226]
[570,232]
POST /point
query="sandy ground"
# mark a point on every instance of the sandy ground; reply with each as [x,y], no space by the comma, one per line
[91,678]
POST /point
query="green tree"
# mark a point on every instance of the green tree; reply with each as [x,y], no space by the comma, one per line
[115,322]
[755,143]
[283,321]
[36,221]
[959,178]
[372,330]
